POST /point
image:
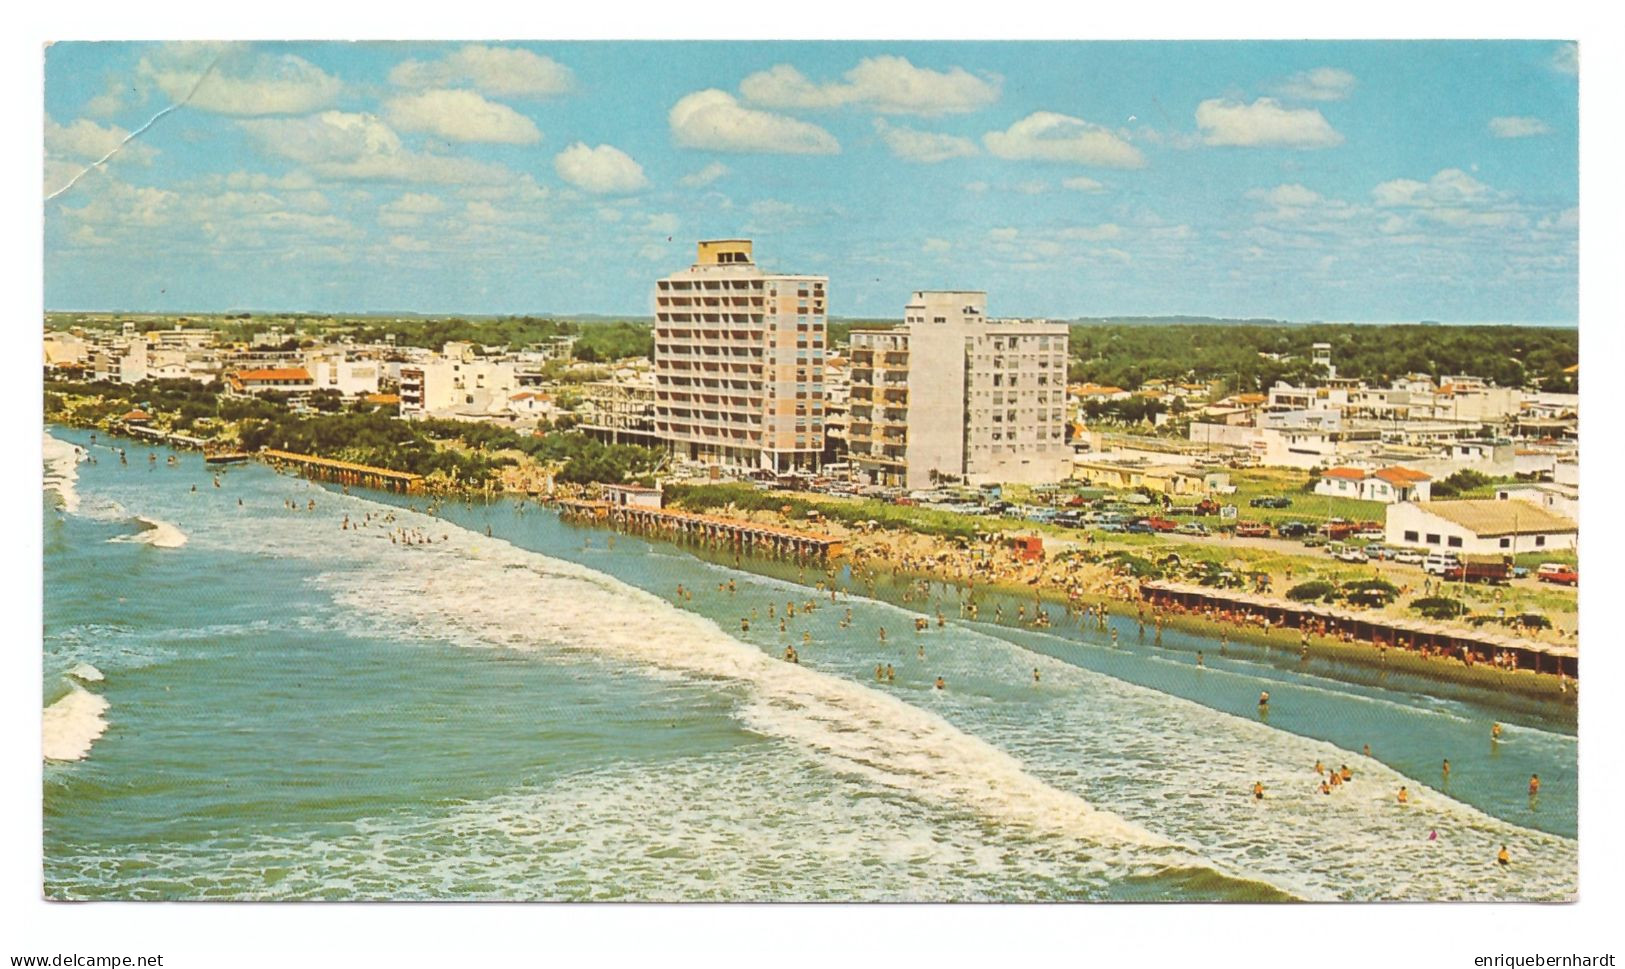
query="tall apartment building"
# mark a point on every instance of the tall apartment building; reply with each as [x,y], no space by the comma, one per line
[953,395]
[739,362]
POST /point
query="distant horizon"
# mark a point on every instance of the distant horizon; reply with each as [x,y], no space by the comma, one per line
[1150,318]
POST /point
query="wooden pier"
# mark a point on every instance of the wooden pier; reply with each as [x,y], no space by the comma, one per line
[1395,631]
[345,472]
[706,529]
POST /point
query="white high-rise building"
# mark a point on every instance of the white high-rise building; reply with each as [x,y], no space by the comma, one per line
[739,362]
[954,396]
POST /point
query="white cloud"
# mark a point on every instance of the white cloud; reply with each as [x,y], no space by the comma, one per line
[86,140]
[923,146]
[1047,136]
[1003,234]
[407,244]
[1320,84]
[1451,186]
[1292,195]
[1451,198]
[934,244]
[1566,59]
[887,84]
[236,80]
[409,209]
[502,71]
[460,116]
[1081,183]
[704,176]
[603,170]
[1518,127]
[1092,233]
[337,144]
[714,120]
[1264,123]
[976,188]
[1033,187]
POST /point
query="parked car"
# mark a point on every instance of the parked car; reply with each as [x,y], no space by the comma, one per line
[1271,501]
[1407,556]
[1558,573]
[1352,554]
[1141,528]
[1252,530]
[1378,551]
[1161,524]
[1114,527]
[1191,528]
[1438,563]
[1292,529]
[1366,531]
[1314,541]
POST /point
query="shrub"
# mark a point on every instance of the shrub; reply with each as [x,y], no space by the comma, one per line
[1312,591]
[1439,607]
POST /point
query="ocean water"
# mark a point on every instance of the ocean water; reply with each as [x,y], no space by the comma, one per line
[244,699]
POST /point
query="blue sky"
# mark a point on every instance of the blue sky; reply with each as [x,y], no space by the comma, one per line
[1382,181]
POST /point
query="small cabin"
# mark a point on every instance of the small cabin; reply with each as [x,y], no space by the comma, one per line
[632,496]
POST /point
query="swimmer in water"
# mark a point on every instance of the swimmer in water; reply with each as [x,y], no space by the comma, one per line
[744,625]
[1035,675]
[1534,784]
[1495,731]
[941,683]
[882,633]
[1264,698]
[1367,751]
[891,674]
[880,673]
[1199,661]
[922,651]
[1446,768]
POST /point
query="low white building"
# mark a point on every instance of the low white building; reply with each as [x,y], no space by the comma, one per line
[1479,526]
[1557,498]
[1387,485]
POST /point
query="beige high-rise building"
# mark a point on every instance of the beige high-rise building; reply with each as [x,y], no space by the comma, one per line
[954,396]
[739,362]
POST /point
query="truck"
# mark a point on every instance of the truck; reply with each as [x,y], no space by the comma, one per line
[1252,530]
[1489,569]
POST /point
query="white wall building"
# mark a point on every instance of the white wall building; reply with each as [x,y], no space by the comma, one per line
[1483,526]
[953,394]
[1387,485]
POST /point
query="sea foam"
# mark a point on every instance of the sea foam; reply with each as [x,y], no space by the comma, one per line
[62,471]
[154,532]
[72,724]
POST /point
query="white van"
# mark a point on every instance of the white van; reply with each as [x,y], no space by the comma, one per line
[1438,563]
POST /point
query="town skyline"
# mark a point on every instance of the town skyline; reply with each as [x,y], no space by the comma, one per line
[1364,182]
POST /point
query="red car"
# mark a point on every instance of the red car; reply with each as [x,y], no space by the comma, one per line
[1559,573]
[1161,524]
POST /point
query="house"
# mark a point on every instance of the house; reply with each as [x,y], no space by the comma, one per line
[1388,485]
[1556,498]
[252,383]
[632,496]
[1479,526]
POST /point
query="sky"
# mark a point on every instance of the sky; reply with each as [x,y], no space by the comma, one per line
[1361,181]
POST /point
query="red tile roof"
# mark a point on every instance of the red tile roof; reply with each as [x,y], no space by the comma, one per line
[279,373]
[1348,474]
[1403,476]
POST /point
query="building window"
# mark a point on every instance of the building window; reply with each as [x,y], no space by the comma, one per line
[1540,541]
[1506,543]
[1455,541]
[1433,539]
[1410,536]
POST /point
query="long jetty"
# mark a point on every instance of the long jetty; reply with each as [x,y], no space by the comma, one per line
[345,472]
[1393,631]
[707,529]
